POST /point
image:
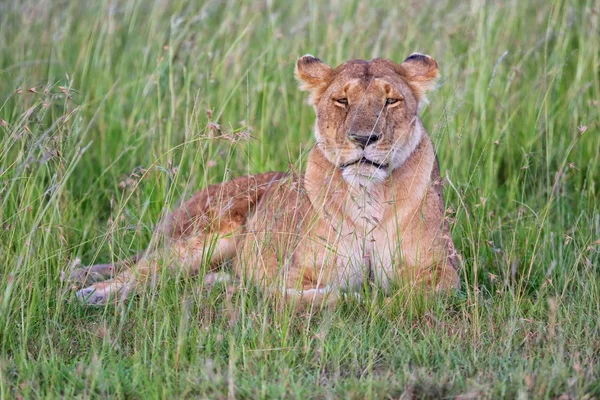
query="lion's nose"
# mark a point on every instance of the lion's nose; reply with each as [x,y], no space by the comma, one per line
[364,140]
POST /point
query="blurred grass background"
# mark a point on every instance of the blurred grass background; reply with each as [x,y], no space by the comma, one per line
[108,116]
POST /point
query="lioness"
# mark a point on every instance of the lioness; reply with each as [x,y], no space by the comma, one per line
[369,206]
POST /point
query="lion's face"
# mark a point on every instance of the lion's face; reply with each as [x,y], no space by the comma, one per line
[367,112]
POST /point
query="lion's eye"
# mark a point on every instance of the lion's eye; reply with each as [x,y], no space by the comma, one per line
[391,101]
[343,101]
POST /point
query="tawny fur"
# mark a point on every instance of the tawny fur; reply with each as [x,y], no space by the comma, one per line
[369,206]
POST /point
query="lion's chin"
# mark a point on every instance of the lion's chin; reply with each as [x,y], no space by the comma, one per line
[364,174]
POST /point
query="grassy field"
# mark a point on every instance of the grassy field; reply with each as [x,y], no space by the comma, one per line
[104,122]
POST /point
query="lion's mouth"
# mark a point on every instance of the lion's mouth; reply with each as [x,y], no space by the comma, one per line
[364,160]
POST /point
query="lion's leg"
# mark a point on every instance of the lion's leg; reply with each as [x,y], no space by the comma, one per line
[186,255]
[85,276]
[99,293]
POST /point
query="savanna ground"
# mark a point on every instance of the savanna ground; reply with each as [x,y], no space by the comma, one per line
[104,124]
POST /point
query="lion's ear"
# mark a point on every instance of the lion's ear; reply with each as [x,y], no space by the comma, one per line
[421,72]
[312,73]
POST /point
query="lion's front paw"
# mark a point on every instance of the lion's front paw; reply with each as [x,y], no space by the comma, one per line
[93,296]
[101,293]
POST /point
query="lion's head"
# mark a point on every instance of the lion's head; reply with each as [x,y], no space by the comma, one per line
[367,111]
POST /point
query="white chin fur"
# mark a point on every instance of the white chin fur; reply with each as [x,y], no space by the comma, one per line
[362,175]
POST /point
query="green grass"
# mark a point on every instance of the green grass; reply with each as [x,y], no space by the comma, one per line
[115,129]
